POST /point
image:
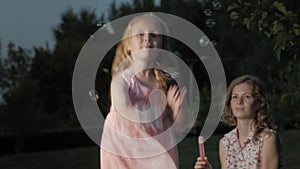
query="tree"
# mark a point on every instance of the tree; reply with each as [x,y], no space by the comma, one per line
[0,47]
[281,26]
[13,69]
[16,89]
[53,70]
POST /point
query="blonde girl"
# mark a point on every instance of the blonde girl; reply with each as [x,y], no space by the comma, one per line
[131,137]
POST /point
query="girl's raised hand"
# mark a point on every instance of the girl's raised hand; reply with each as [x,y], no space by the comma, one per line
[175,98]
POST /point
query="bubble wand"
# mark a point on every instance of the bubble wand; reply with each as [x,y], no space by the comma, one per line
[201,147]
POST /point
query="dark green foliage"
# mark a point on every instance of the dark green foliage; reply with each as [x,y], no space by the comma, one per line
[279,22]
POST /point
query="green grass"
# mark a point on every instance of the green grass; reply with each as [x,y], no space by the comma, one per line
[88,157]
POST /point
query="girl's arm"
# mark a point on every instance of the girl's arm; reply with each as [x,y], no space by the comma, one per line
[222,154]
[270,151]
[119,95]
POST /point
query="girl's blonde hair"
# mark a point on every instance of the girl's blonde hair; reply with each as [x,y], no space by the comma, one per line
[123,51]
[262,118]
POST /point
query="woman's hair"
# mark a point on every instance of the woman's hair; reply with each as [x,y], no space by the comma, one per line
[123,50]
[262,118]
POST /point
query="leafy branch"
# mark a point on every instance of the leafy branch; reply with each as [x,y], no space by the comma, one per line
[271,18]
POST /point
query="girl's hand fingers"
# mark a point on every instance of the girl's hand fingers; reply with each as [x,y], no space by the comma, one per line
[172,90]
[177,94]
[183,93]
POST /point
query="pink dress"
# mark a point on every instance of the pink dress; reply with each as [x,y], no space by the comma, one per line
[130,145]
[245,156]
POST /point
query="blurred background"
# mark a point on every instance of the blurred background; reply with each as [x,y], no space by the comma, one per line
[40,42]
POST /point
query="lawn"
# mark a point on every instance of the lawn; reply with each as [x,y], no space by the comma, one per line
[88,157]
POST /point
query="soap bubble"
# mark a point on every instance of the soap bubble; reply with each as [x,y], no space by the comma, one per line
[217,5]
[94,95]
[204,41]
[210,23]
[208,12]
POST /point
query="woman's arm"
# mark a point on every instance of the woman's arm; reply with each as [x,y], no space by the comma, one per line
[222,154]
[270,151]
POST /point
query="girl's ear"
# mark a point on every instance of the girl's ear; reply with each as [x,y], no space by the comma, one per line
[127,48]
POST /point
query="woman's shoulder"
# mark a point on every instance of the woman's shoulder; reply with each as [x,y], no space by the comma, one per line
[221,142]
[231,133]
[267,133]
[229,137]
[270,136]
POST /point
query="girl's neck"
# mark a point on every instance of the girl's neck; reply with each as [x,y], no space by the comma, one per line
[147,78]
[140,65]
[146,73]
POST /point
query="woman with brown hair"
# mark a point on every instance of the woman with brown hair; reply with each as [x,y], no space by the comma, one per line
[253,143]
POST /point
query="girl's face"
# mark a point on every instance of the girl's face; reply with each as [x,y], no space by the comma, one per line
[243,102]
[146,34]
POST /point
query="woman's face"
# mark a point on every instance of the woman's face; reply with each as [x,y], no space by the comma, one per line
[243,102]
[146,35]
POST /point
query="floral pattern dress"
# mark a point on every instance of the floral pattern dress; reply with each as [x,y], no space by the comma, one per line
[245,156]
